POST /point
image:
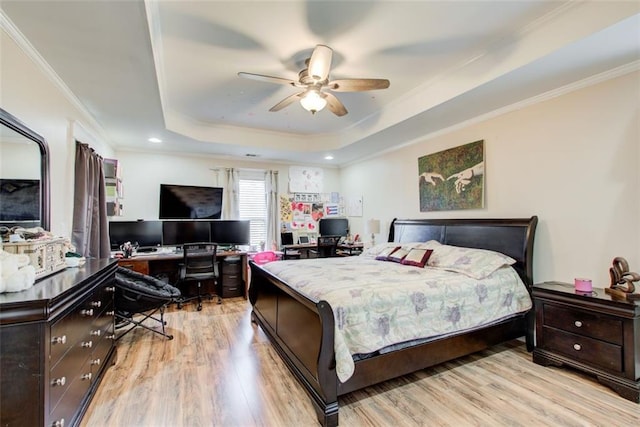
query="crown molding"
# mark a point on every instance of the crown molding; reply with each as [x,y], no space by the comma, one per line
[32,53]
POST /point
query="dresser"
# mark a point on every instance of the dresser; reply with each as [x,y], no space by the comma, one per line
[593,332]
[56,342]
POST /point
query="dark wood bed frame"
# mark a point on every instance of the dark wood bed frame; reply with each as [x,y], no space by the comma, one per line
[302,331]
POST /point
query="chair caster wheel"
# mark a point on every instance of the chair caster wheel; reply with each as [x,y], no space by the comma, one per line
[199,308]
[170,337]
[179,306]
[219,301]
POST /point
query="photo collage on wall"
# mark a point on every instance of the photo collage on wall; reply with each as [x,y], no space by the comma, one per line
[301,212]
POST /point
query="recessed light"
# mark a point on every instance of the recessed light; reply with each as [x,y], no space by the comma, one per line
[328,157]
[155,140]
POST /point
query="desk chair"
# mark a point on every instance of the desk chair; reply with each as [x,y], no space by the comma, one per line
[327,246]
[199,264]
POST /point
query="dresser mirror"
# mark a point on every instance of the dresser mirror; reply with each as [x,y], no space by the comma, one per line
[24,175]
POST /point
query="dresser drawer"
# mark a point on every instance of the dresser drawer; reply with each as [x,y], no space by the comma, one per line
[66,406]
[69,330]
[585,349]
[67,371]
[585,323]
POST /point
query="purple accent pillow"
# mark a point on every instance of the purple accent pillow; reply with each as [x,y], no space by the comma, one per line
[398,255]
[384,255]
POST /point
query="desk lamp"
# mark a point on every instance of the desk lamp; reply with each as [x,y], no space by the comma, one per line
[373,225]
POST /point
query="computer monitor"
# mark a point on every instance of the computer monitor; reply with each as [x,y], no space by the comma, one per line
[177,233]
[286,238]
[334,227]
[147,234]
[231,232]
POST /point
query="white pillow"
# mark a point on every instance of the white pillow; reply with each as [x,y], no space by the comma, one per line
[475,263]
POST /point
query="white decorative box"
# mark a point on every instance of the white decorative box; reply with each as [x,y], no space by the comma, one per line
[47,256]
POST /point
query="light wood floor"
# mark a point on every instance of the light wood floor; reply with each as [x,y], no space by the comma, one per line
[220,370]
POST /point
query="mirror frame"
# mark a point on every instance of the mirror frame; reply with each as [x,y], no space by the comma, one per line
[15,124]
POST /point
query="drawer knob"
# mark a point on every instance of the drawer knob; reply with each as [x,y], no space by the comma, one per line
[58,423]
[110,289]
[88,312]
[96,362]
[111,337]
[96,333]
[96,304]
[578,324]
[111,313]
[86,376]
[87,344]
[59,340]
[59,381]
[577,347]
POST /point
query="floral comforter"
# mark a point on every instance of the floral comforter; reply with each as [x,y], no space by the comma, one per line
[378,303]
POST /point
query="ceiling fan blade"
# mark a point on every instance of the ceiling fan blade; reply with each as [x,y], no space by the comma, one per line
[320,62]
[357,85]
[268,79]
[334,104]
[286,102]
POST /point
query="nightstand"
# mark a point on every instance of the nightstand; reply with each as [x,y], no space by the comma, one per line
[594,333]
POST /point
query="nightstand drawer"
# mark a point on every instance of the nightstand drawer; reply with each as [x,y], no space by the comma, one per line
[585,323]
[588,350]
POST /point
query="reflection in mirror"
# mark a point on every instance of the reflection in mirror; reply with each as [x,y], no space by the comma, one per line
[24,175]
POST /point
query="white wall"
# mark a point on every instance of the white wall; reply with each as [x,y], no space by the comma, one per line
[142,174]
[29,93]
[571,160]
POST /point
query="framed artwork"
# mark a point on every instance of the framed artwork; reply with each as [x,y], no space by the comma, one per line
[452,179]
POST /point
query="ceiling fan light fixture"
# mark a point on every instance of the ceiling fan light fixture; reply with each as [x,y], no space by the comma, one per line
[313,102]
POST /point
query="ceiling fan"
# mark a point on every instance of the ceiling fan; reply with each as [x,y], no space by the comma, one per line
[316,84]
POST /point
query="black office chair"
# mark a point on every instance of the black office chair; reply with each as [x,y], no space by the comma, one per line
[327,246]
[199,265]
[141,295]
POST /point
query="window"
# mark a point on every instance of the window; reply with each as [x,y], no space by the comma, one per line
[253,204]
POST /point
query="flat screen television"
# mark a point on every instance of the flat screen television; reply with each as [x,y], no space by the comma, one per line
[190,202]
[20,200]
[334,227]
[177,233]
[231,232]
[147,234]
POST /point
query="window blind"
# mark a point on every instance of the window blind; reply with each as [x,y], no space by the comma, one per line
[253,206]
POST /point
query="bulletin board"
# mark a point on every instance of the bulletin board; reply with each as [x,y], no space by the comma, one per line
[301,212]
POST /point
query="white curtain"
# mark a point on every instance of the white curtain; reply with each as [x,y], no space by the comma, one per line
[231,194]
[271,187]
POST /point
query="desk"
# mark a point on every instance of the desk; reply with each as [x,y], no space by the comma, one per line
[166,266]
[344,249]
[300,248]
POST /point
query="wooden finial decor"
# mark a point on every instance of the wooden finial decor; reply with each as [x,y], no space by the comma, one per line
[622,280]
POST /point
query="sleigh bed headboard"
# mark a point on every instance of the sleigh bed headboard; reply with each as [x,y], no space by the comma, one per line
[511,236]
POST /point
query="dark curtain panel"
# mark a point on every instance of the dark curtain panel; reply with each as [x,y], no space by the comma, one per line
[90,233]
